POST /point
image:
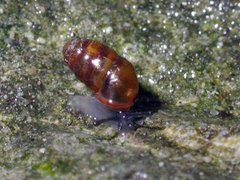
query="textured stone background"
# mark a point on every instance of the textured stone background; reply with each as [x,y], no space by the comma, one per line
[186,53]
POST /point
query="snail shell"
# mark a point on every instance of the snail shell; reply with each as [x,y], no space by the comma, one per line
[111,77]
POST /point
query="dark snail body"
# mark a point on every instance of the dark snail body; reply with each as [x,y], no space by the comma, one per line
[122,120]
[111,77]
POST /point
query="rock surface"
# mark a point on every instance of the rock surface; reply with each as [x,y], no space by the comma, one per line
[185,53]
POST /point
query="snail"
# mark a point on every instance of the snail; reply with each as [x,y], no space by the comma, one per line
[111,78]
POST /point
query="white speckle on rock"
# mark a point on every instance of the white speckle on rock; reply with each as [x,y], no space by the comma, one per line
[214,112]
[107,30]
[151,81]
[207,159]
[41,40]
[161,164]
[193,13]
[29,35]
[42,150]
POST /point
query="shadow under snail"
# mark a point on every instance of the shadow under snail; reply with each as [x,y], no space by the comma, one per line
[111,77]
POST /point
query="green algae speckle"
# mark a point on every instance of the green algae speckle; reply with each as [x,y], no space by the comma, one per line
[53,167]
[45,169]
[185,53]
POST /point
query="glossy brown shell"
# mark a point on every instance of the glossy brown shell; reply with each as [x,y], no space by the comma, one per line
[111,77]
